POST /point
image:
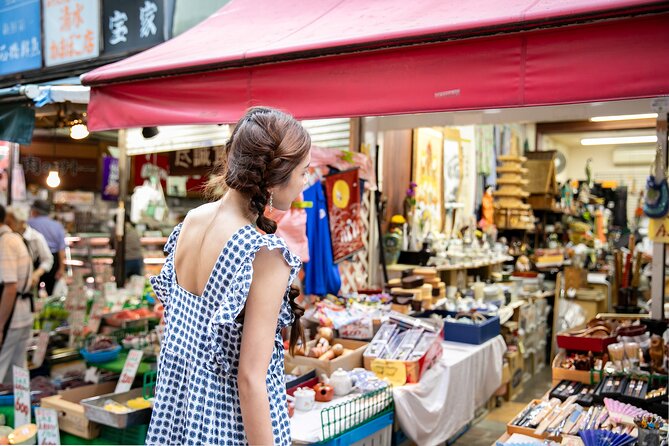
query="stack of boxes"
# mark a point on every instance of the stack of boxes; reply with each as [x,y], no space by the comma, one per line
[418,289]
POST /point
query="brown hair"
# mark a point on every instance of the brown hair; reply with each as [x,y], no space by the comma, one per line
[265,147]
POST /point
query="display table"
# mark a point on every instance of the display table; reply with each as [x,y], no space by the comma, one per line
[448,394]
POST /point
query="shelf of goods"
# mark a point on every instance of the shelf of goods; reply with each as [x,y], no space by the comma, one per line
[608,377]
[511,212]
[90,250]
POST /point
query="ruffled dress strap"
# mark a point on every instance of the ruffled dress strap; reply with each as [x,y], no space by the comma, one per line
[163,284]
[224,330]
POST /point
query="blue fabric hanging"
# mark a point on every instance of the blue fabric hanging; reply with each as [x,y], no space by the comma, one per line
[321,274]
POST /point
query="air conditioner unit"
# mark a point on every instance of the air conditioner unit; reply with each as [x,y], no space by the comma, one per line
[633,156]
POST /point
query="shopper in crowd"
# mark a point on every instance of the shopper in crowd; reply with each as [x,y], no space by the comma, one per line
[17,220]
[134,257]
[54,233]
[16,318]
[227,290]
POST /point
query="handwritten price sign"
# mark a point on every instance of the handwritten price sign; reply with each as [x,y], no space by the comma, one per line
[47,426]
[129,371]
[40,352]
[21,396]
[96,314]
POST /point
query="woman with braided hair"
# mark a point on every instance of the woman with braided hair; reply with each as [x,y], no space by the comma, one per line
[227,290]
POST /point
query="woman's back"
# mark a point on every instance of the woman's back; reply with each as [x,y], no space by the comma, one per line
[197,398]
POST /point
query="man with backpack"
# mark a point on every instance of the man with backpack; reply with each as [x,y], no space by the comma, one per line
[16,317]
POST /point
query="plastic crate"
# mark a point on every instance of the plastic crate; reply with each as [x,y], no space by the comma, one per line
[376,432]
[131,435]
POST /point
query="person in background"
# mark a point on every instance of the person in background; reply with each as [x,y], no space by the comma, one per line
[134,257]
[54,233]
[16,317]
[17,220]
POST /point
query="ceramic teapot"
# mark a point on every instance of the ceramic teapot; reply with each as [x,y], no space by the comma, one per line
[324,390]
[304,398]
[342,382]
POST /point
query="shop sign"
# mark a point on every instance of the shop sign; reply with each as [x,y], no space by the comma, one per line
[343,195]
[129,371]
[195,161]
[133,25]
[75,173]
[658,229]
[71,31]
[21,396]
[110,178]
[47,425]
[20,36]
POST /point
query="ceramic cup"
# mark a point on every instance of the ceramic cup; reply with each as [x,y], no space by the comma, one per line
[304,399]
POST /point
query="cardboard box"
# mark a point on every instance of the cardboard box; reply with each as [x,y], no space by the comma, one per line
[584,343]
[351,359]
[71,417]
[414,369]
[582,376]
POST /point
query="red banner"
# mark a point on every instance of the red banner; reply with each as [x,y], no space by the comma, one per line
[343,194]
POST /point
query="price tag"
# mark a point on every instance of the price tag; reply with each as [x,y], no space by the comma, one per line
[40,352]
[95,315]
[362,329]
[393,371]
[47,426]
[129,371]
[21,396]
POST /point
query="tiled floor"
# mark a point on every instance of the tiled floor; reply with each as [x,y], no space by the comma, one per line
[486,431]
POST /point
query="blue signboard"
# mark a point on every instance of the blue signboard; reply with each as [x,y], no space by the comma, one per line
[20,36]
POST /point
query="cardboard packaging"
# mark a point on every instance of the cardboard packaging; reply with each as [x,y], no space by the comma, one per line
[351,359]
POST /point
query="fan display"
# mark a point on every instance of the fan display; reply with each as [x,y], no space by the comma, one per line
[599,437]
[623,412]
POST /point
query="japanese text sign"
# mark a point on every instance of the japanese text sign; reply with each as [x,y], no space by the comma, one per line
[195,161]
[132,25]
[21,396]
[71,31]
[47,426]
[129,371]
[20,36]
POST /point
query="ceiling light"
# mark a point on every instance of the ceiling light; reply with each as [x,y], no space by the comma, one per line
[78,131]
[53,180]
[619,140]
[623,117]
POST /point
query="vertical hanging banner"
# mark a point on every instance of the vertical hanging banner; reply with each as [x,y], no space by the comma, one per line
[20,36]
[21,396]
[47,426]
[110,178]
[133,25]
[343,194]
[71,31]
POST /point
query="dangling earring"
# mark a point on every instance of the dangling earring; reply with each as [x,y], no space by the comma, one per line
[271,202]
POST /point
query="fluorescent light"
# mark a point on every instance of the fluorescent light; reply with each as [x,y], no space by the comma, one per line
[623,117]
[619,140]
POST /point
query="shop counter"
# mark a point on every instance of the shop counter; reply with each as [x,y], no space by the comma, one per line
[447,396]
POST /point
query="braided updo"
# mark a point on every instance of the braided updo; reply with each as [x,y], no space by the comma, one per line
[265,147]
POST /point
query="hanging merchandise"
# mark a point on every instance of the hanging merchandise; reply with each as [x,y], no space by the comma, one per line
[343,194]
[321,274]
[656,203]
[291,226]
[148,200]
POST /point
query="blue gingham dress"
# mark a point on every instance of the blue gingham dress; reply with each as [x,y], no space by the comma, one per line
[197,398]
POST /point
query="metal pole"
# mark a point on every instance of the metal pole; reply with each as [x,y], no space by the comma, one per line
[661,106]
[13,158]
[119,257]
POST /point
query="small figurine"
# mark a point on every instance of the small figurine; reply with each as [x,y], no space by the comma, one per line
[656,352]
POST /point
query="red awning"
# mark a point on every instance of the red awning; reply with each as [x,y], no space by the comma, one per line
[331,58]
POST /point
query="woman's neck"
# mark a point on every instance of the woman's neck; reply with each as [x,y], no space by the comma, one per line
[237,204]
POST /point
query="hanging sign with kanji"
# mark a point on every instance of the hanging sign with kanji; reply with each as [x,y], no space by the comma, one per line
[71,31]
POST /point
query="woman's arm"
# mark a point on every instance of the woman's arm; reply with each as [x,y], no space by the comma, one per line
[270,279]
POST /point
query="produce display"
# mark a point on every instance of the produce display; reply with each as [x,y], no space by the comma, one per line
[129,406]
[101,343]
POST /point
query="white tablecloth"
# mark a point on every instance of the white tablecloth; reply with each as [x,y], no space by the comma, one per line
[447,396]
